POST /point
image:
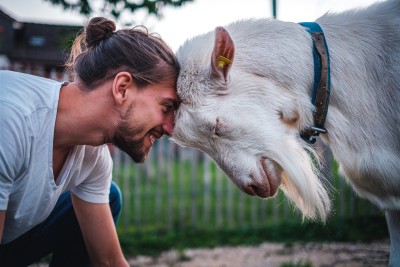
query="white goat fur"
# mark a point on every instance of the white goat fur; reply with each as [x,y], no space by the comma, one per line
[266,101]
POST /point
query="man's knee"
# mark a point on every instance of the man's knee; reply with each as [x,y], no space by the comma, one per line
[115,201]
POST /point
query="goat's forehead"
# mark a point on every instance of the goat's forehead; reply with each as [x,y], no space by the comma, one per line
[191,74]
[193,83]
[194,58]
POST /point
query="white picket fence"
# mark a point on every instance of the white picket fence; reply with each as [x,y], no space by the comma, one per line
[181,187]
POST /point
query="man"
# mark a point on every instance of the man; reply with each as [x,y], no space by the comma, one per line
[55,169]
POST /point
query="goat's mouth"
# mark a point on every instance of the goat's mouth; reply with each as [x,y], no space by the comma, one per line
[270,180]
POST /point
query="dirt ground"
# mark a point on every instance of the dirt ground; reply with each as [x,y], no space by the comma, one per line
[374,254]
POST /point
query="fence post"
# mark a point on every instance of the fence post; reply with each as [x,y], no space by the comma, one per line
[170,177]
[219,198]
[194,188]
[206,190]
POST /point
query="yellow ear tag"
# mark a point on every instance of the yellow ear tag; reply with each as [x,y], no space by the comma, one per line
[222,61]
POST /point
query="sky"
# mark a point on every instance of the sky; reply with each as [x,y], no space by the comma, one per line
[197,17]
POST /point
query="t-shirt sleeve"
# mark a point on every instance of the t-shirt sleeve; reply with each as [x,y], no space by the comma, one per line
[13,133]
[95,188]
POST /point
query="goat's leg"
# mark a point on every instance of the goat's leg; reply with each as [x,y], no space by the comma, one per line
[393,221]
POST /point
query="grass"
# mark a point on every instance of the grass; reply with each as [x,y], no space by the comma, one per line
[153,242]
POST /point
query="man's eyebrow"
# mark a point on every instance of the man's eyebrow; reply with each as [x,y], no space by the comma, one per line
[174,102]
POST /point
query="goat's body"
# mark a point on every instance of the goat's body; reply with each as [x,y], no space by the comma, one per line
[269,90]
[364,111]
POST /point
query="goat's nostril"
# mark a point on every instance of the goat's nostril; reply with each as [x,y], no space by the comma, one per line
[255,189]
[260,191]
[249,189]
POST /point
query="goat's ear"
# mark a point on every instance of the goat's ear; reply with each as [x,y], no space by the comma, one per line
[223,53]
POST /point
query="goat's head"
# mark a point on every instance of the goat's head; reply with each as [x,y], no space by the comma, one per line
[247,123]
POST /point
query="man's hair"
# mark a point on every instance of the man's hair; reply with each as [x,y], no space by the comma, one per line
[100,52]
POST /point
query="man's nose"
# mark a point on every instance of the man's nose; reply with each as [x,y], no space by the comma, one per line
[168,125]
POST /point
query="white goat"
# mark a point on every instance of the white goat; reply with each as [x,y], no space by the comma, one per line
[246,94]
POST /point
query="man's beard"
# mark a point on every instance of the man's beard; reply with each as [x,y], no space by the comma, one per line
[133,147]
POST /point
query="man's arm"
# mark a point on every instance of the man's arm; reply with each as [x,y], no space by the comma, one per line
[99,233]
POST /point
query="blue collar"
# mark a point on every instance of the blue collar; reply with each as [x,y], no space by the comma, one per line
[321,90]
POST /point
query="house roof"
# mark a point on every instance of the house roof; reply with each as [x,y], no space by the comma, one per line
[6,16]
[38,43]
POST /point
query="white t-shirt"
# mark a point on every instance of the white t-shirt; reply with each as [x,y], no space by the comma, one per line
[28,191]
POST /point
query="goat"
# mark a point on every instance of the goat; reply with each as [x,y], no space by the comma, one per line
[246,100]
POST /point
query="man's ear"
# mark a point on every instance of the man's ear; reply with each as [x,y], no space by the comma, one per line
[123,81]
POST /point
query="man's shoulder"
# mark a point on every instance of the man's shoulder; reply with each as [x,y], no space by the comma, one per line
[94,155]
[28,93]
[8,76]
[12,79]
[7,73]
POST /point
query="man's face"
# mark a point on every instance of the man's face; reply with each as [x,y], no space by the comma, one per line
[149,116]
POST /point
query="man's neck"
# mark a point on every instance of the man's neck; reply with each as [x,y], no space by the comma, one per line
[83,118]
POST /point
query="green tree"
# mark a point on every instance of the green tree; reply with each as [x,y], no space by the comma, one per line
[116,7]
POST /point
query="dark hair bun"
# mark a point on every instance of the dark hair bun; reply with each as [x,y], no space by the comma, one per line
[97,30]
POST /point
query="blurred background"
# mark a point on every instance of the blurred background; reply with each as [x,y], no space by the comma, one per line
[179,198]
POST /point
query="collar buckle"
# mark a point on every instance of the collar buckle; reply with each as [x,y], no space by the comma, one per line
[310,135]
